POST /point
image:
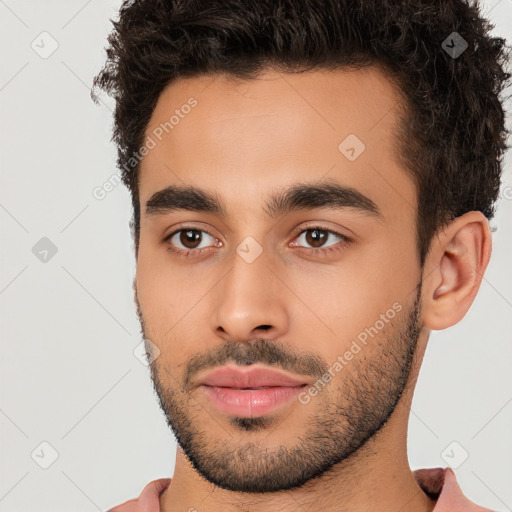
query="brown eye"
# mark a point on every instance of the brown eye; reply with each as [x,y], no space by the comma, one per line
[190,238]
[317,237]
[189,241]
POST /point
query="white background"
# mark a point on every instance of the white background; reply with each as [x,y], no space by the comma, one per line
[69,376]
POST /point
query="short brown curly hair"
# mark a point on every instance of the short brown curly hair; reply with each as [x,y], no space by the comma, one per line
[452,137]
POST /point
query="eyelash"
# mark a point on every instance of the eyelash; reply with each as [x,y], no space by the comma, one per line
[309,250]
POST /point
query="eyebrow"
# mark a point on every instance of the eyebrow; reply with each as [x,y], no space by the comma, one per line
[301,196]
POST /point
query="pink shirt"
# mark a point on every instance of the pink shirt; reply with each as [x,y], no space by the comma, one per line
[437,483]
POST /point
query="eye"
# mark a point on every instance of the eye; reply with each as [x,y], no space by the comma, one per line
[316,236]
[190,239]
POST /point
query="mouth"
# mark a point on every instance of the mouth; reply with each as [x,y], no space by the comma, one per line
[250,402]
[250,391]
[253,377]
[261,387]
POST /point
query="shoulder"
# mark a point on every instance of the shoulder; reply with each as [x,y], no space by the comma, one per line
[148,499]
[441,484]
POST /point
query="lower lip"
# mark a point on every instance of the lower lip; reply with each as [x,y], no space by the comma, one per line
[250,403]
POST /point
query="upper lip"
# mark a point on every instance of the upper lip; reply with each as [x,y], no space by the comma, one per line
[233,377]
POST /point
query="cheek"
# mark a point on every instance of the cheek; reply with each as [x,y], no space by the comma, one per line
[156,291]
[172,307]
[345,300]
[339,305]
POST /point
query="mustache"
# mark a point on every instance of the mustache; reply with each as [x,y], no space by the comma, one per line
[261,351]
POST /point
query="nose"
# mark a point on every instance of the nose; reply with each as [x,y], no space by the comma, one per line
[250,301]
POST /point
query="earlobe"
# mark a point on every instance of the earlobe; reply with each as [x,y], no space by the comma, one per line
[454,269]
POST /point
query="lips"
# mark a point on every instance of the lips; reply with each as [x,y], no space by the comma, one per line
[249,392]
[250,378]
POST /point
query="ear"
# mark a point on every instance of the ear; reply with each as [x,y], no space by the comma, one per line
[454,269]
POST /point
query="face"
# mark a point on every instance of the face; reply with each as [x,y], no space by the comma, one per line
[251,270]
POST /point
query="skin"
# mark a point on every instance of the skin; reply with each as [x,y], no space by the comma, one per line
[242,142]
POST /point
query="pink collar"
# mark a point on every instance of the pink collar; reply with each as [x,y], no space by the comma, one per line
[437,483]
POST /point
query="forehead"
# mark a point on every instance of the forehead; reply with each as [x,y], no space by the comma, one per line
[245,138]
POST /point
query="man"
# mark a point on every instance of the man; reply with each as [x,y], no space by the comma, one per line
[312,184]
